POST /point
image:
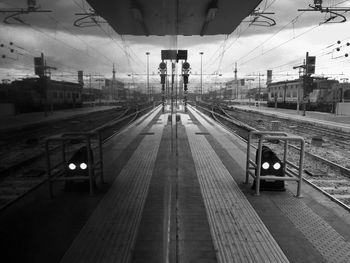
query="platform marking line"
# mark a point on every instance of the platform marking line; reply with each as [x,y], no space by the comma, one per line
[110,232]
[328,242]
[239,234]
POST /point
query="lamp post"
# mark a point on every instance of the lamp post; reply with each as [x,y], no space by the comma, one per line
[149,93]
[201,91]
[129,89]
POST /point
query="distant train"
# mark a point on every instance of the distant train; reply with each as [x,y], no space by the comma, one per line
[33,94]
[323,97]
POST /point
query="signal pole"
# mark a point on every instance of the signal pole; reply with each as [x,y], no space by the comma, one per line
[307,79]
[304,86]
[114,86]
[301,68]
[259,95]
[236,82]
[201,91]
[149,93]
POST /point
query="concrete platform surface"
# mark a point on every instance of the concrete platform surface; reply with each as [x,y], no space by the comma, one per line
[175,193]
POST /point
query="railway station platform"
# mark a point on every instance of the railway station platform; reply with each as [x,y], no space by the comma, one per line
[176,194]
[180,198]
[329,120]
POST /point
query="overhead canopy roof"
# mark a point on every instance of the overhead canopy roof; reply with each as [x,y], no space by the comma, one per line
[174,17]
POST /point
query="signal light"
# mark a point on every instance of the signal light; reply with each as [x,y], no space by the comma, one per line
[39,66]
[277,166]
[266,165]
[310,64]
[162,66]
[72,166]
[270,165]
[83,166]
[186,65]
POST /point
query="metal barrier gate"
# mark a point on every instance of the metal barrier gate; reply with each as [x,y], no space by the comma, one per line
[56,174]
[256,166]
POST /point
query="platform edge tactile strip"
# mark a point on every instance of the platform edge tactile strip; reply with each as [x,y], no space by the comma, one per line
[328,242]
[238,233]
[110,232]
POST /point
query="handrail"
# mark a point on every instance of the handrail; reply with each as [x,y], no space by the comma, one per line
[269,136]
[63,138]
[86,137]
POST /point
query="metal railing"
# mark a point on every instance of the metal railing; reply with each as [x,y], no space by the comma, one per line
[58,171]
[256,166]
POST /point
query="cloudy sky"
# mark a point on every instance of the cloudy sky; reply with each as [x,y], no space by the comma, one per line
[254,49]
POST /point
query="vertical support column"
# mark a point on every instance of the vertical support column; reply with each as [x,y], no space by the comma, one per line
[172,104]
[90,165]
[248,158]
[48,167]
[258,168]
[99,134]
[64,163]
[285,156]
[301,166]
[148,90]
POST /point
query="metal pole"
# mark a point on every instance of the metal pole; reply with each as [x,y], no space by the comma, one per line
[90,165]
[248,158]
[258,168]
[48,167]
[64,162]
[176,98]
[101,154]
[172,103]
[149,93]
[301,167]
[201,91]
[259,91]
[285,156]
[304,93]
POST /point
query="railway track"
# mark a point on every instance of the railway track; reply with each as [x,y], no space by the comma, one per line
[24,145]
[26,175]
[336,142]
[331,179]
